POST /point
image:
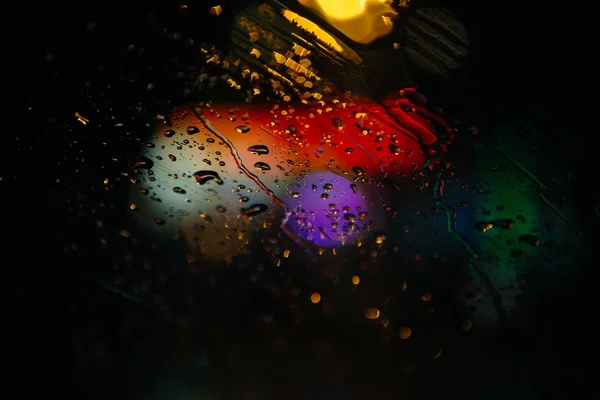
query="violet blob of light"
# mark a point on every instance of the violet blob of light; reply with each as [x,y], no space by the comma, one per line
[325,210]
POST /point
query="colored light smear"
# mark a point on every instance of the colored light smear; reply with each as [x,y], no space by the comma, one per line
[326,211]
[324,141]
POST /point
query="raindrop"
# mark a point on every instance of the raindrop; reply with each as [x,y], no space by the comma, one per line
[358,171]
[192,130]
[258,149]
[205,176]
[172,157]
[262,166]
[144,163]
[337,122]
[242,129]
[254,209]
[177,189]
[530,239]
[169,133]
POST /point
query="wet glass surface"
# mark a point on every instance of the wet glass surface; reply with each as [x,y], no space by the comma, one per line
[222,205]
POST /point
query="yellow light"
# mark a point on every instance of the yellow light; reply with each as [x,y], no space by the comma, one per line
[341,9]
[362,21]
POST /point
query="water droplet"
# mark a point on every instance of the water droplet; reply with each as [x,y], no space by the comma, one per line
[159,221]
[337,122]
[210,140]
[372,313]
[244,199]
[530,239]
[169,133]
[177,189]
[242,128]
[258,149]
[192,130]
[205,176]
[172,157]
[207,161]
[350,217]
[144,163]
[405,332]
[262,166]
[358,171]
[254,209]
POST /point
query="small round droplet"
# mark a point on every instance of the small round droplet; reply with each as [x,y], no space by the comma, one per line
[169,133]
[372,313]
[242,128]
[405,332]
[315,298]
[192,130]
[467,325]
[144,163]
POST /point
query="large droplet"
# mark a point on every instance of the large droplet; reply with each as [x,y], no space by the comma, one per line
[169,133]
[144,163]
[262,166]
[258,149]
[242,129]
[192,130]
[254,209]
[205,176]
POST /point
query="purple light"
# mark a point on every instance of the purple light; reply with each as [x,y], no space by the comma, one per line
[327,211]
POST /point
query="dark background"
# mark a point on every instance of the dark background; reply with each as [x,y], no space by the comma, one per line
[528,59]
